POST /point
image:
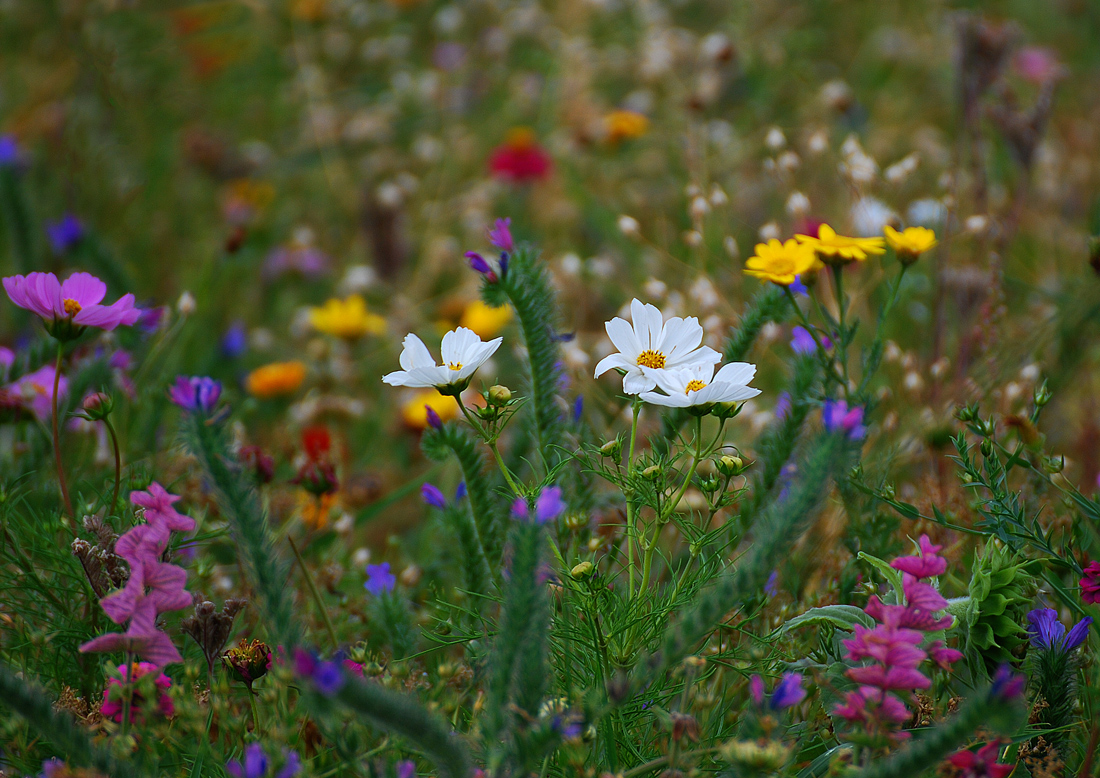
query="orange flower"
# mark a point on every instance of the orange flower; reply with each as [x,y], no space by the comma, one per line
[624,125]
[276,379]
[315,511]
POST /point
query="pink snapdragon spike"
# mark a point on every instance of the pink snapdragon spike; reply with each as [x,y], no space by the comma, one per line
[70,306]
[154,587]
[894,646]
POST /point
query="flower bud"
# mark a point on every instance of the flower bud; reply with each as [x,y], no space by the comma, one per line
[186,305]
[97,405]
[582,571]
[729,465]
[652,473]
[629,226]
[612,448]
[499,395]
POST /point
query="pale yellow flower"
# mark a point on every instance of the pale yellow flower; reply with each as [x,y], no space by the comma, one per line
[348,319]
[838,249]
[484,319]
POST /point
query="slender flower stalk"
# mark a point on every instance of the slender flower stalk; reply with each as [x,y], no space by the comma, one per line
[57,433]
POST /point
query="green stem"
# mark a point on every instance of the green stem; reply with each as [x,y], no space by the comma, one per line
[255,717]
[636,411]
[57,434]
[118,463]
[316,594]
[842,335]
[822,353]
[490,441]
[127,693]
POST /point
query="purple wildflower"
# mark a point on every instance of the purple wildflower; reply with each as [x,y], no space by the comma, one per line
[460,491]
[802,341]
[291,766]
[433,418]
[770,588]
[578,409]
[797,287]
[501,236]
[197,393]
[328,678]
[1007,685]
[478,263]
[788,692]
[837,417]
[433,496]
[1049,634]
[379,579]
[255,763]
[406,768]
[549,504]
[65,234]
[235,340]
[9,151]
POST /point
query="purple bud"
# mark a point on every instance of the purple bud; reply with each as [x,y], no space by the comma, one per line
[406,768]
[549,504]
[500,236]
[460,491]
[328,678]
[1007,685]
[433,418]
[770,588]
[379,579]
[478,263]
[578,409]
[797,287]
[433,496]
[756,690]
[789,692]
[65,234]
[9,151]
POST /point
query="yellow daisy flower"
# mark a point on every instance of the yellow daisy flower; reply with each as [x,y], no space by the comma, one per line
[910,243]
[414,413]
[348,319]
[276,379]
[484,319]
[625,125]
[838,249]
[780,263]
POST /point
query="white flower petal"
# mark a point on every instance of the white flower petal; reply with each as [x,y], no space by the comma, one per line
[623,337]
[611,361]
[736,373]
[668,401]
[681,337]
[415,353]
[635,382]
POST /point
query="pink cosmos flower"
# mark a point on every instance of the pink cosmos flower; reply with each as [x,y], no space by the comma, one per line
[75,303]
[36,390]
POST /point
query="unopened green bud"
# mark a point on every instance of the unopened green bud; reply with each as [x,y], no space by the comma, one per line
[1052,465]
[652,473]
[582,571]
[709,484]
[726,410]
[612,448]
[987,447]
[729,465]
[98,406]
[1042,395]
[498,395]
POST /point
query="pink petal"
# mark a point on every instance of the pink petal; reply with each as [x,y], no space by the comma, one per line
[85,288]
[46,290]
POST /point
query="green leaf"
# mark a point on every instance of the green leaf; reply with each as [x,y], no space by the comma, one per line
[889,573]
[841,616]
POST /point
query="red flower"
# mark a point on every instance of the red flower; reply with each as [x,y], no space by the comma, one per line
[316,442]
[1090,584]
[981,763]
[520,158]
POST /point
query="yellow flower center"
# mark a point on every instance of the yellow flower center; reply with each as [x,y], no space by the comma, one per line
[694,386]
[456,366]
[651,358]
[72,307]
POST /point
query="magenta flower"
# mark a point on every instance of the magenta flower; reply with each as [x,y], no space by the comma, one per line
[67,308]
[927,565]
[36,390]
[141,638]
[981,763]
[867,704]
[837,417]
[884,677]
[501,236]
[432,496]
[921,595]
[943,656]
[112,695]
[1090,584]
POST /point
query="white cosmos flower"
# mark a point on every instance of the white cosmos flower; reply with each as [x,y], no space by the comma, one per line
[653,343]
[698,385]
[463,352]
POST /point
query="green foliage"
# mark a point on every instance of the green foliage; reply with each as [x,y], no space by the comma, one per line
[37,707]
[526,287]
[487,541]
[1001,591]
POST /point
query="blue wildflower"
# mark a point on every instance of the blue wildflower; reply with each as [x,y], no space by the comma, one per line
[379,579]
